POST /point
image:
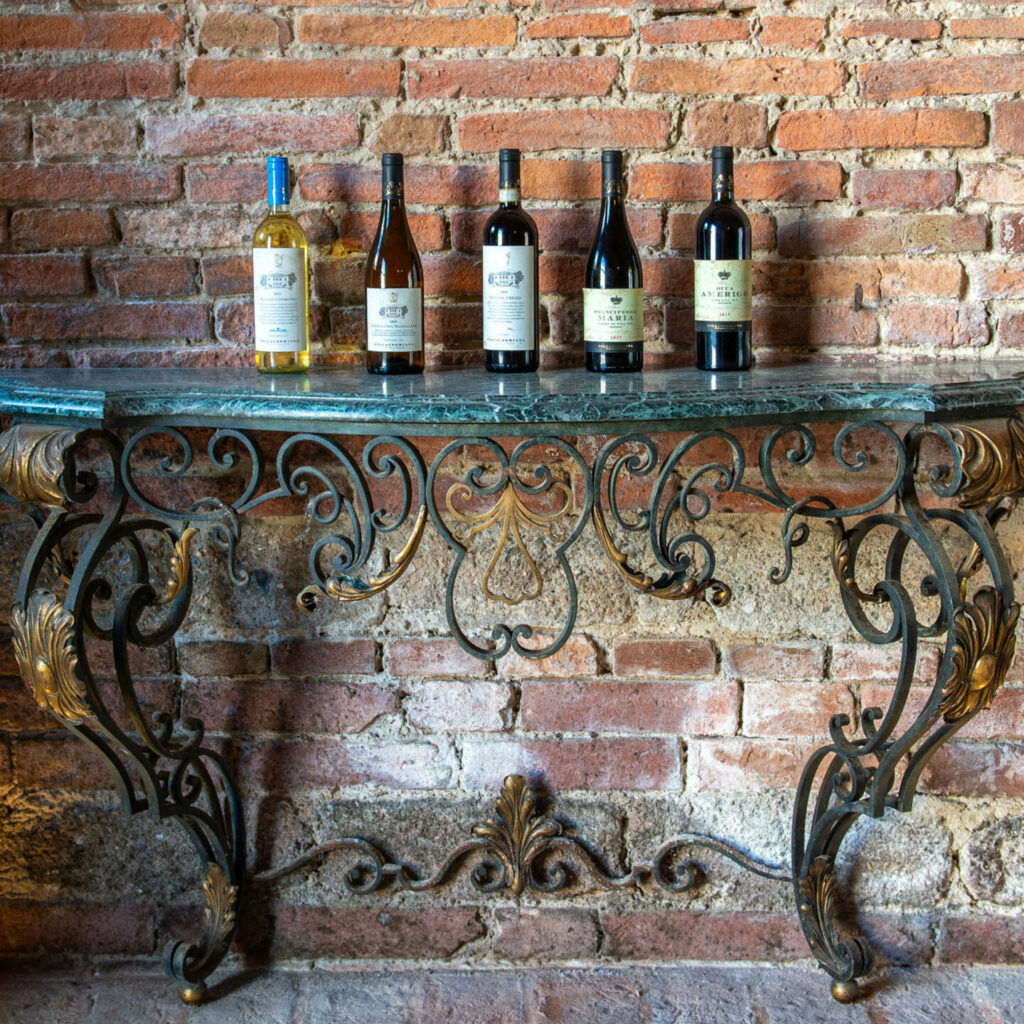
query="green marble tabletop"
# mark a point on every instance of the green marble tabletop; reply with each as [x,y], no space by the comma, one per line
[562,401]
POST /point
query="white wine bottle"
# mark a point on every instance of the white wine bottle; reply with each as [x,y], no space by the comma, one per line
[280,281]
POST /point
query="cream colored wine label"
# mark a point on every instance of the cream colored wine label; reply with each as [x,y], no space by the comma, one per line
[613,316]
[279,299]
[722,295]
[394,319]
[509,288]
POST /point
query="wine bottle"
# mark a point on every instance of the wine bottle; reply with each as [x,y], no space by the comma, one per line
[613,294]
[511,312]
[394,283]
[280,281]
[721,275]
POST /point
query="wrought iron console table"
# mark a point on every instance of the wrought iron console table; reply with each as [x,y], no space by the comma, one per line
[71,455]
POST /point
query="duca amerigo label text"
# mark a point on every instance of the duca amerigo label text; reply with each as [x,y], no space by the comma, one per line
[722,295]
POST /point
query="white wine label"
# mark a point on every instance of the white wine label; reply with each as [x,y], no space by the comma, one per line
[722,295]
[279,300]
[394,319]
[509,290]
[613,315]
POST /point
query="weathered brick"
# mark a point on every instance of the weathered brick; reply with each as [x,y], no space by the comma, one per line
[989,939]
[460,706]
[666,659]
[91,32]
[987,28]
[56,137]
[76,927]
[103,81]
[520,77]
[752,76]
[462,185]
[357,230]
[787,30]
[235,29]
[15,138]
[85,183]
[744,765]
[64,763]
[976,769]
[208,76]
[411,134]
[198,135]
[880,129]
[318,657]
[908,190]
[138,277]
[769,179]
[226,275]
[108,320]
[61,229]
[225,183]
[433,658]
[586,764]
[179,228]
[22,277]
[1010,332]
[938,326]
[576,658]
[871,236]
[545,933]
[694,30]
[1010,232]
[563,129]
[426,32]
[222,658]
[690,709]
[722,123]
[768,708]
[579,26]
[775,662]
[872,662]
[1008,128]
[940,76]
[233,322]
[893,28]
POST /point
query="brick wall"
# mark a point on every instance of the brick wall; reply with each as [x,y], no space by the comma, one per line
[882,162]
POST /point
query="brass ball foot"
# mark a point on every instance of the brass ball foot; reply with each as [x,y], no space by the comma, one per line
[193,996]
[845,991]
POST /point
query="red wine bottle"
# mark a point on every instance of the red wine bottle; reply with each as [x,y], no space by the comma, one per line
[511,312]
[613,295]
[721,275]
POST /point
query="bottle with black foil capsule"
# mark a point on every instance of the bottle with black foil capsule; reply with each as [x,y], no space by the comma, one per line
[280,281]
[394,283]
[721,275]
[613,295]
[511,311]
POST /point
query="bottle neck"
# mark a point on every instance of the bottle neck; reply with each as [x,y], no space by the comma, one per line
[721,182]
[279,209]
[612,204]
[392,201]
[509,189]
[509,196]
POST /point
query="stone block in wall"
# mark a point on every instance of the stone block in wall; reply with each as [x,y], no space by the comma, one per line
[992,862]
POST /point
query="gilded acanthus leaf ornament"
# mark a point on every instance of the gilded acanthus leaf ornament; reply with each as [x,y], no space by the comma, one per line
[992,462]
[44,644]
[984,643]
[33,458]
[219,915]
[181,566]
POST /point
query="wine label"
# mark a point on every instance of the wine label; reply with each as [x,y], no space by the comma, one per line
[279,300]
[509,290]
[613,316]
[722,294]
[394,319]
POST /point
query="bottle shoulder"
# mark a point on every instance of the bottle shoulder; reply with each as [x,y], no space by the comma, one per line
[510,225]
[279,231]
[723,213]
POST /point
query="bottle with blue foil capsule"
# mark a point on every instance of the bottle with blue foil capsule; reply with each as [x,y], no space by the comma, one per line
[280,281]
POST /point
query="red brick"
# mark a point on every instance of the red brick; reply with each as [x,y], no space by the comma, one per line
[807,329]
[703,935]
[1011,232]
[22,277]
[768,708]
[564,129]
[776,662]
[206,76]
[236,29]
[787,30]
[290,766]
[359,227]
[65,763]
[411,134]
[769,179]
[559,229]
[942,278]
[107,320]
[373,933]
[222,658]
[233,323]
[425,33]
[460,185]
[61,229]
[460,706]
[91,32]
[545,933]
[1005,719]
[682,229]
[94,183]
[872,236]
[519,77]
[744,765]
[577,658]
[144,80]
[1010,332]
[584,764]
[987,28]
[986,939]
[996,280]
[180,228]
[198,135]
[723,123]
[15,138]
[19,712]
[556,179]
[941,76]
[55,137]
[342,278]
[872,662]
[227,275]
[579,26]
[755,76]
[290,707]
[690,709]
[75,928]
[938,326]
[1008,128]
[138,277]
[908,190]
[435,658]
[324,657]
[694,30]
[880,129]
[976,769]
[226,183]
[666,659]
[893,28]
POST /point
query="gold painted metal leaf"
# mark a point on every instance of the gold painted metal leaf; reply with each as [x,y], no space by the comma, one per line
[44,645]
[993,463]
[32,462]
[181,567]
[219,915]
